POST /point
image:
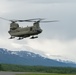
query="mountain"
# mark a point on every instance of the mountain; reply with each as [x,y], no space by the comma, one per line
[29,58]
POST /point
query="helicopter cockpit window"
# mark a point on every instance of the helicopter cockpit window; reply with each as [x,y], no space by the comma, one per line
[14,25]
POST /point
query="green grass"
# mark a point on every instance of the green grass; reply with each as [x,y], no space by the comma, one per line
[45,74]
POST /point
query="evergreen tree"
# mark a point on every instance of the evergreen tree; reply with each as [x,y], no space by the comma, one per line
[1,67]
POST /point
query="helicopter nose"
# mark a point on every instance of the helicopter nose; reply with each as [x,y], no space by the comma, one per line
[39,31]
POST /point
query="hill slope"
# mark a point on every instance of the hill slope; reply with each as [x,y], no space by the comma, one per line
[29,58]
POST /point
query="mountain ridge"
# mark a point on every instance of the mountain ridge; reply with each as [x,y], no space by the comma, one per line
[29,58]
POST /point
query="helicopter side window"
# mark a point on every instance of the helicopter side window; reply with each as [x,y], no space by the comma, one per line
[30,28]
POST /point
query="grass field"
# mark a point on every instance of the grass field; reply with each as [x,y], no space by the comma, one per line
[45,74]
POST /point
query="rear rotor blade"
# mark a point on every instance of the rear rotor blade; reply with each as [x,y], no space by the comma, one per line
[49,21]
[36,19]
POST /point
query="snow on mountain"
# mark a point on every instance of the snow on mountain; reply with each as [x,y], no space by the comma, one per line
[30,58]
[58,58]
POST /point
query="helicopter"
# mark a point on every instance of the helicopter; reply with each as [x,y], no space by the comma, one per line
[24,32]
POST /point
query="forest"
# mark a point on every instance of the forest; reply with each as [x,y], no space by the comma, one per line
[43,69]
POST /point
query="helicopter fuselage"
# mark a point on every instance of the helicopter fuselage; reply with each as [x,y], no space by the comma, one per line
[25,31]
[16,31]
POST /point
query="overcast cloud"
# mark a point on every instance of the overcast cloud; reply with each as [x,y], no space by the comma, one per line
[57,38]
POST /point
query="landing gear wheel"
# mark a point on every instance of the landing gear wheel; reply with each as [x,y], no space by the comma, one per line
[34,37]
[20,38]
[11,37]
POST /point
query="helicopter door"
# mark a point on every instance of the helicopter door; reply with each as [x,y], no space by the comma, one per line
[31,28]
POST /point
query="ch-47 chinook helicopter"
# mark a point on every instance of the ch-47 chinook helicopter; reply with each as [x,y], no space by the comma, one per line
[24,32]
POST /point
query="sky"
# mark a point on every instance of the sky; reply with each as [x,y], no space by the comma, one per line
[58,39]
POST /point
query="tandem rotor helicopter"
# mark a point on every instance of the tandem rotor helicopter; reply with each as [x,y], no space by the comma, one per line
[24,32]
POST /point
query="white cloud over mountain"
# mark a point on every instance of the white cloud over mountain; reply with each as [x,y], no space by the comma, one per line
[56,39]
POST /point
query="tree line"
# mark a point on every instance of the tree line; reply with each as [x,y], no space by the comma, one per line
[45,69]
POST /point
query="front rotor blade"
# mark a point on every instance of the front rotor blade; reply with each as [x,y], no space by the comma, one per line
[4,18]
[30,20]
[24,21]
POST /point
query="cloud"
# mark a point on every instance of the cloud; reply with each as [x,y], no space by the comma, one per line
[57,38]
[54,47]
[44,1]
[9,44]
[44,46]
[63,49]
[3,7]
